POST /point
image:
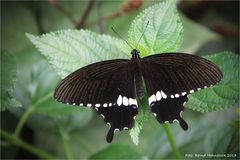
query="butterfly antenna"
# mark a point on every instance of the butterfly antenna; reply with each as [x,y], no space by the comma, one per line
[122,38]
[142,34]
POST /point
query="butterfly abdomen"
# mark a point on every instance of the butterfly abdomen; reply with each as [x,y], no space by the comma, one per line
[138,84]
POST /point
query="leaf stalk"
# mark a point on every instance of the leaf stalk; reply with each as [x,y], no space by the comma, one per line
[18,142]
[172,141]
[29,111]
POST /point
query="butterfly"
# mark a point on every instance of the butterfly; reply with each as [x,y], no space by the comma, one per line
[114,87]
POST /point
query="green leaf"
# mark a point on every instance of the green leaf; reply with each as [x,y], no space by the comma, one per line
[8,78]
[135,131]
[117,151]
[37,87]
[163,33]
[69,50]
[143,116]
[223,95]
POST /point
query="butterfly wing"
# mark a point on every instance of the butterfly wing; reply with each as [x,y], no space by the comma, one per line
[118,118]
[170,77]
[108,86]
[96,85]
[170,110]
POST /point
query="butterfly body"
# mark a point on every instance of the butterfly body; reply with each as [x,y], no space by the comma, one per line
[114,87]
[136,60]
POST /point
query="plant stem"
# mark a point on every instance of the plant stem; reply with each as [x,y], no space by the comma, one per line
[58,6]
[29,111]
[100,16]
[172,141]
[65,140]
[85,15]
[16,141]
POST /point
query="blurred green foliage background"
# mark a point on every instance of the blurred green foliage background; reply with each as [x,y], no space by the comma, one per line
[67,132]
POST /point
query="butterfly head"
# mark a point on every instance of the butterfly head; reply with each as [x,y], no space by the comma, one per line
[135,53]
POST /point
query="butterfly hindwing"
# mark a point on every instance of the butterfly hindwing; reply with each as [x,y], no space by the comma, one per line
[170,77]
[170,110]
[118,118]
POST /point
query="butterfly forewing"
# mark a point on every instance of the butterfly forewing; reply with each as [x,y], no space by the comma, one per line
[96,85]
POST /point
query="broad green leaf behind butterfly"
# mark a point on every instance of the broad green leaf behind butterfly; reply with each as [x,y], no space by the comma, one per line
[164,32]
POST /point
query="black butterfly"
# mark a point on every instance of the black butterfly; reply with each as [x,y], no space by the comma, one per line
[114,86]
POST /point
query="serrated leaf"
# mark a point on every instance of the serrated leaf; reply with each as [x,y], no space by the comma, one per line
[69,50]
[163,33]
[143,116]
[223,95]
[8,78]
[135,131]
[117,151]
